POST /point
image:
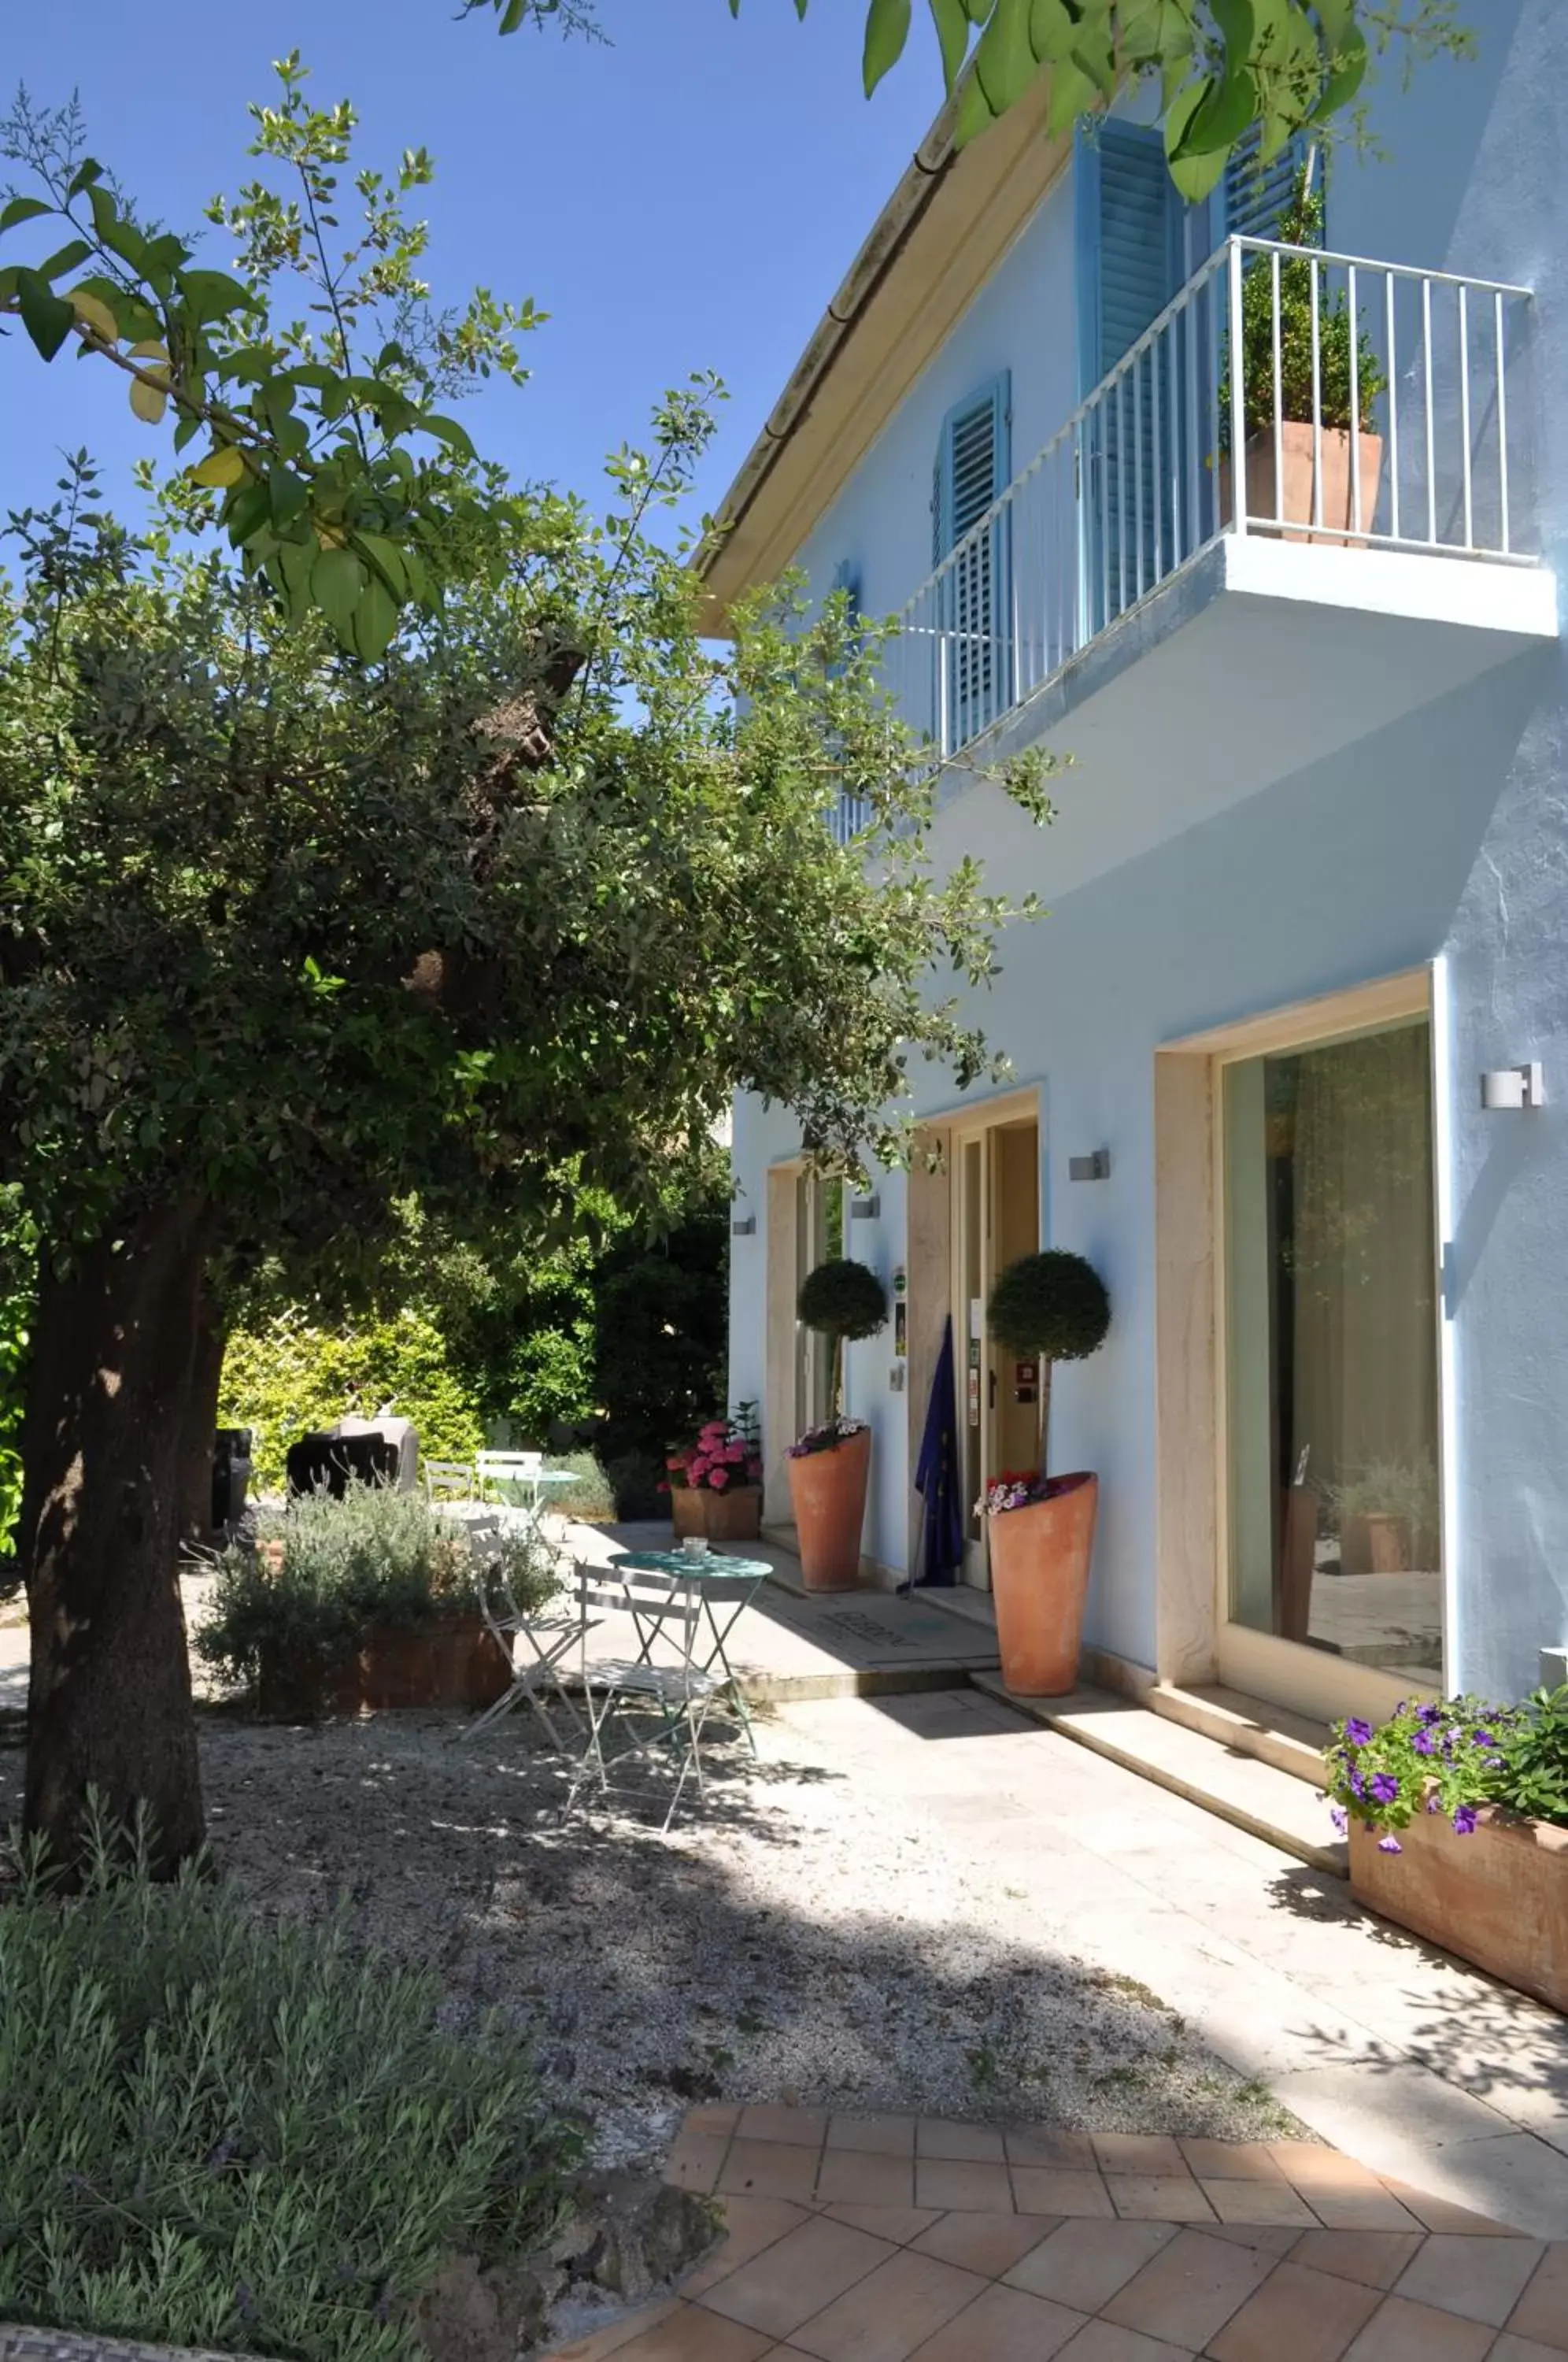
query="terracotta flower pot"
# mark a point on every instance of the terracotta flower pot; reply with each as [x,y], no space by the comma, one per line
[1294,497]
[1498,1897]
[1039,1572]
[1375,1542]
[827,1490]
[733,1516]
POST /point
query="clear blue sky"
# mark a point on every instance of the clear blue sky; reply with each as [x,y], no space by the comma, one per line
[687,198]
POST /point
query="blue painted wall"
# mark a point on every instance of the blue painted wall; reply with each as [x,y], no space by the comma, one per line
[1444,834]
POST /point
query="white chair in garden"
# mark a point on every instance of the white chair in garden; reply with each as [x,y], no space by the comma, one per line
[536,1642]
[673,1697]
[448,1480]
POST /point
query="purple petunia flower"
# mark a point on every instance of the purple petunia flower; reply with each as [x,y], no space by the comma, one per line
[1434,1803]
[1339,1818]
[1389,1845]
[1429,1714]
[1385,1787]
[1484,1739]
[1464,1821]
[1358,1733]
[1424,1743]
[1358,1785]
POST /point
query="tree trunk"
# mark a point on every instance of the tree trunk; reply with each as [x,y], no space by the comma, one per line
[200,1426]
[109,1704]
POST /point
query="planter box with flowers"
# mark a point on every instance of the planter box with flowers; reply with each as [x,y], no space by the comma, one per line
[830,1466]
[715,1483]
[1457,1815]
[1047,1308]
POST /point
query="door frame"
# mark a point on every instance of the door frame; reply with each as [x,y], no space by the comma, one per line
[962,1130]
[1196,1641]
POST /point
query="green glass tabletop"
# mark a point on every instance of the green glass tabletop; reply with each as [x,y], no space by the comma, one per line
[684,1562]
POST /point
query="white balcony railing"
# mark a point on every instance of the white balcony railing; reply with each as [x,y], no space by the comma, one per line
[1400,434]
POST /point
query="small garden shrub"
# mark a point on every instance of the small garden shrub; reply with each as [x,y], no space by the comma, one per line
[218,2133]
[286,1379]
[374,1557]
[592,1497]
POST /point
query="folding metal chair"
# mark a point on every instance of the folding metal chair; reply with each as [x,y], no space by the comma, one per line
[535,1642]
[675,1698]
[448,1480]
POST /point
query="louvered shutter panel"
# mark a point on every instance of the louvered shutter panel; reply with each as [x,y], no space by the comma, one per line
[851,813]
[975,594]
[1128,217]
[1256,197]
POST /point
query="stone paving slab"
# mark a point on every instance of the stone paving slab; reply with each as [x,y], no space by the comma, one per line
[1024,2245]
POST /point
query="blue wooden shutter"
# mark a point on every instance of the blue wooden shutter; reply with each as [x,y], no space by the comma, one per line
[1128,221]
[1256,196]
[975,594]
[851,813]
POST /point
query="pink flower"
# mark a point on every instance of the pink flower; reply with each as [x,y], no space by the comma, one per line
[715,1431]
[719,1478]
[734,1453]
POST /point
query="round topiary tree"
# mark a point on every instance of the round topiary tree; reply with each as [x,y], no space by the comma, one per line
[1052,1305]
[842,1299]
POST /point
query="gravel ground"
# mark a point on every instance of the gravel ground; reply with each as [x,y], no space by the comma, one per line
[797,1944]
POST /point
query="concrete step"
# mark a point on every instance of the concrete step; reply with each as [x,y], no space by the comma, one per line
[1247,1726]
[1252,1794]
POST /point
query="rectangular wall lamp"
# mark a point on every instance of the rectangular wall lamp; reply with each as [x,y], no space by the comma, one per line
[1090,1168]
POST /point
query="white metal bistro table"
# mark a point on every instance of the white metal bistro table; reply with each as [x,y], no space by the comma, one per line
[521,1487]
[722,1588]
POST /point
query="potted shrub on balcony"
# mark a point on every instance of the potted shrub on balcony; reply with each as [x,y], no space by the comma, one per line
[1049,1307]
[830,1465]
[1315,459]
[715,1483]
[370,1601]
[1457,1814]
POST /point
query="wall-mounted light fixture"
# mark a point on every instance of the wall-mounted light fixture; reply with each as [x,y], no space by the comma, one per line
[1514,1086]
[1090,1168]
[744,1226]
[865,1209]
[1553,1668]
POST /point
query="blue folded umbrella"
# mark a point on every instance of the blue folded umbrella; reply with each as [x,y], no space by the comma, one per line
[937,1478]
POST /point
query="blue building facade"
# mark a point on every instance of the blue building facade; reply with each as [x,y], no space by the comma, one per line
[1300,1003]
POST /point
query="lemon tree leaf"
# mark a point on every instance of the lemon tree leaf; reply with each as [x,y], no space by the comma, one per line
[219,469]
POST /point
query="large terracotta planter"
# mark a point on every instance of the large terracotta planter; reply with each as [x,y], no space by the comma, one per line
[1294,498]
[451,1662]
[1498,1897]
[1375,1542]
[827,1490]
[1040,1571]
[732,1516]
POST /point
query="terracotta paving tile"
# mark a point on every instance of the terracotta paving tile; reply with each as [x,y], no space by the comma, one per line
[1043,2190]
[1401,2332]
[750,2225]
[1085,2263]
[798,2275]
[1509,2348]
[1311,2168]
[898,2225]
[879,2135]
[1258,2201]
[1003,2325]
[960,2182]
[990,2244]
[1542,2312]
[1103,2341]
[978,2143]
[1439,2215]
[1138,2153]
[857,2178]
[1375,2258]
[1482,2280]
[687,2335]
[1218,2161]
[804,2127]
[770,2169]
[1277,2239]
[1159,2197]
[1189,2292]
[1073,2151]
[1305,2315]
[886,2317]
[1359,2209]
[714,2116]
[695,2160]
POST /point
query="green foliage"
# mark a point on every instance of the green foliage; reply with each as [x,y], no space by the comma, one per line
[290,1376]
[1405,1489]
[1219,65]
[1452,1755]
[329,461]
[842,1299]
[1053,1304]
[245,2137]
[592,1497]
[1339,399]
[322,1570]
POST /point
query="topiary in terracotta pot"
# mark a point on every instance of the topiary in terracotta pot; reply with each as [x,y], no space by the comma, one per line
[1050,1306]
[830,1466]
